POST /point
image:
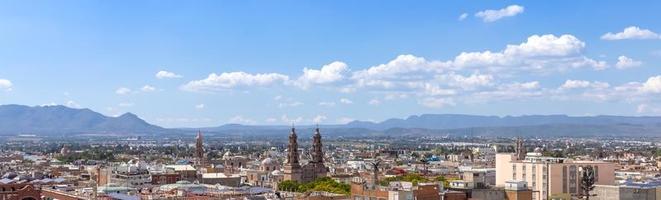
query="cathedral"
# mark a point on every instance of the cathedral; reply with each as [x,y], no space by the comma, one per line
[312,170]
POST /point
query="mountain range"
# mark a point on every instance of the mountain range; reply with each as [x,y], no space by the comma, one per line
[19,119]
[62,120]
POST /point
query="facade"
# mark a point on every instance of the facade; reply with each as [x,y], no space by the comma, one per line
[548,176]
[221,179]
[131,174]
[311,171]
[642,191]
[397,191]
[233,164]
[19,191]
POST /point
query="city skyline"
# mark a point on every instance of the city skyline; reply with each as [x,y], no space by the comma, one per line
[178,65]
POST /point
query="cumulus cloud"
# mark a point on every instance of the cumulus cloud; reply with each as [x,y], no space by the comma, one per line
[333,72]
[541,53]
[166,74]
[624,62]
[5,85]
[494,15]
[575,84]
[374,102]
[148,88]
[467,82]
[652,85]
[546,45]
[631,32]
[229,80]
[123,91]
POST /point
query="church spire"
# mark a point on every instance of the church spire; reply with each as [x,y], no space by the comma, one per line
[317,154]
[520,149]
[199,149]
[292,157]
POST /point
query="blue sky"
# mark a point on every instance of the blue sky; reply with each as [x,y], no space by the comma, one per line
[278,62]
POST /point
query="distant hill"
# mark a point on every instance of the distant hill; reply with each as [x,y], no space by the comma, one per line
[61,120]
[43,120]
[456,121]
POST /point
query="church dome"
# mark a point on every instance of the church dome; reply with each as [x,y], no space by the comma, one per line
[276,173]
[228,155]
[268,162]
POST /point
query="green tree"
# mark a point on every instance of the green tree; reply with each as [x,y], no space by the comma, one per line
[587,181]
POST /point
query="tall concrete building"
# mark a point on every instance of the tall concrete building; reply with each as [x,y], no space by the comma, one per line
[312,170]
[548,176]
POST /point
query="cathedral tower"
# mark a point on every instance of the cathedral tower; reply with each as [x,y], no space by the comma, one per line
[199,150]
[292,167]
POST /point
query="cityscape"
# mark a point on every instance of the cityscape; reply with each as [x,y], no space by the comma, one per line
[330,100]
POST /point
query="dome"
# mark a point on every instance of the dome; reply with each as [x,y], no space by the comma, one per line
[538,150]
[276,173]
[269,162]
[227,155]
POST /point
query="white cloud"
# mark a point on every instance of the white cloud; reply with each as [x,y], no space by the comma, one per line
[540,53]
[319,118]
[123,91]
[148,88]
[435,90]
[624,62]
[327,103]
[241,120]
[215,82]
[462,16]
[333,72]
[494,15]
[374,102]
[631,32]
[200,106]
[345,101]
[404,67]
[652,85]
[166,74]
[575,84]
[467,82]
[5,85]
[437,102]
[289,120]
[277,98]
[546,45]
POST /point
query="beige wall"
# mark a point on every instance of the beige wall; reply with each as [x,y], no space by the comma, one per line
[503,168]
[552,182]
